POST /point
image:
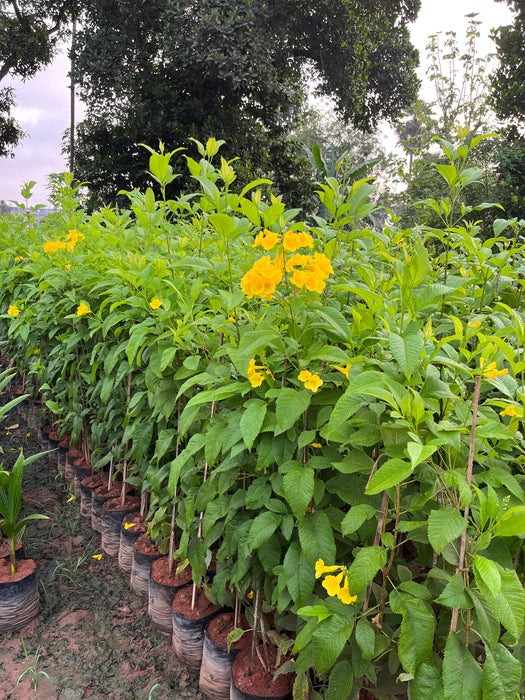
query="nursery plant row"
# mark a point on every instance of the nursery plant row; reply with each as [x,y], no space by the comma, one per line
[317,422]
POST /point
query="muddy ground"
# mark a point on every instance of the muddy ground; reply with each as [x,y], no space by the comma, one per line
[93,637]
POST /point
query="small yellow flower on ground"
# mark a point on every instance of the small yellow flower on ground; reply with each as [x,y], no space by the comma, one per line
[321,568]
[255,378]
[155,303]
[266,239]
[13,310]
[97,556]
[512,411]
[344,370]
[83,309]
[310,381]
[71,498]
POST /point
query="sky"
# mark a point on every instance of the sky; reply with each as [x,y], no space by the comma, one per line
[43,102]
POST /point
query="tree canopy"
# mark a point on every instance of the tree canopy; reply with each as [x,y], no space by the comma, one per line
[173,69]
[508,83]
[29,31]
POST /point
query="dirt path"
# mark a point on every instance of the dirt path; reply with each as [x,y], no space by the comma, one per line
[92,638]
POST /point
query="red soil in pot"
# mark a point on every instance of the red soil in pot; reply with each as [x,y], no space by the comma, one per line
[182,604]
[91,481]
[146,546]
[113,492]
[220,627]
[260,682]
[159,573]
[115,504]
[24,567]
[138,521]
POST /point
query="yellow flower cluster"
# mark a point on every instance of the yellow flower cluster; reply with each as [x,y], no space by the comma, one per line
[72,238]
[310,381]
[491,372]
[512,411]
[155,303]
[18,258]
[263,278]
[315,270]
[83,309]
[266,239]
[335,586]
[292,241]
[255,378]
[13,310]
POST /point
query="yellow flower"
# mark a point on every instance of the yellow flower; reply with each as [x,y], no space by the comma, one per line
[71,498]
[315,271]
[13,310]
[266,239]
[68,267]
[53,246]
[36,351]
[292,241]
[491,372]
[74,236]
[344,594]
[83,309]
[511,411]
[97,556]
[332,584]
[474,324]
[316,444]
[344,370]
[128,526]
[255,378]
[262,278]
[249,595]
[310,381]
[321,568]
[155,303]
[18,258]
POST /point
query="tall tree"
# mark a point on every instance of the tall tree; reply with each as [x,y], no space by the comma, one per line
[508,82]
[171,69]
[29,32]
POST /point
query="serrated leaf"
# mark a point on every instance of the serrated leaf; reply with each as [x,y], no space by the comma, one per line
[299,574]
[298,487]
[509,605]
[444,526]
[487,574]
[341,681]
[389,474]
[417,634]
[419,453]
[252,420]
[365,566]
[290,406]
[319,611]
[365,638]
[329,639]
[355,517]
[262,528]
[316,537]
[406,351]
[512,522]
[501,674]
[462,677]
[427,683]
[454,595]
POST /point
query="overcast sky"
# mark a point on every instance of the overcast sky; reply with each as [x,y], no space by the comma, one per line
[43,102]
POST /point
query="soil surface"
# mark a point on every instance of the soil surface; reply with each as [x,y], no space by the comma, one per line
[93,637]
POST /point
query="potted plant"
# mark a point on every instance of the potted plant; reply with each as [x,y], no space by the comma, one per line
[19,600]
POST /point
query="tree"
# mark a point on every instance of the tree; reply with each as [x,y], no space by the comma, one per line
[508,81]
[173,69]
[29,32]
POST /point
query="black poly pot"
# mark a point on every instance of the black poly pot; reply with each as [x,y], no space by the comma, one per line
[19,602]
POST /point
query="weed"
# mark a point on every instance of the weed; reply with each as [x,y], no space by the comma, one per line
[70,569]
[150,696]
[32,668]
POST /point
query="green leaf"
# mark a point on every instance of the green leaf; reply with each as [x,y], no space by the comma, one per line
[487,574]
[462,677]
[341,681]
[417,634]
[365,638]
[501,674]
[290,406]
[419,453]
[455,595]
[195,443]
[316,537]
[509,605]
[301,687]
[355,517]
[299,574]
[328,642]
[389,474]
[406,351]
[365,566]
[319,611]
[262,528]
[298,486]
[444,526]
[427,683]
[512,522]
[485,621]
[252,420]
